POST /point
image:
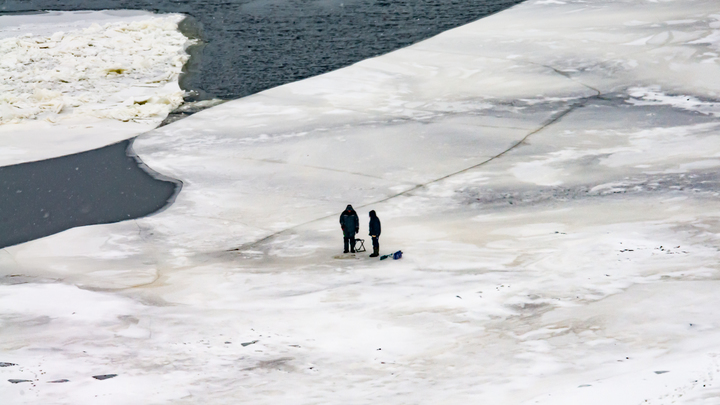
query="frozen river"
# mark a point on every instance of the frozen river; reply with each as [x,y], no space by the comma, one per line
[550,173]
[246,47]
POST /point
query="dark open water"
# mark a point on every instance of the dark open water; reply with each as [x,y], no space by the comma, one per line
[104,185]
[248,46]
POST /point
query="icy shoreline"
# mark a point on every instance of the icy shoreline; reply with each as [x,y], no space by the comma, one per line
[74,81]
[549,172]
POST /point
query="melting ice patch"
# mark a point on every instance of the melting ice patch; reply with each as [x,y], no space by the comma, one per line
[653,96]
[124,71]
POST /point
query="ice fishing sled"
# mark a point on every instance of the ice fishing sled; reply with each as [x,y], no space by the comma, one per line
[397,255]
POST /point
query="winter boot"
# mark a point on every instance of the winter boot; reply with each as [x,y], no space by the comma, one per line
[375,253]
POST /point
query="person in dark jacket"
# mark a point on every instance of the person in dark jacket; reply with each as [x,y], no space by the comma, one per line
[375,233]
[350,225]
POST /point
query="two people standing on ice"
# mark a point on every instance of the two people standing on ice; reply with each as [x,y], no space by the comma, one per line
[350,224]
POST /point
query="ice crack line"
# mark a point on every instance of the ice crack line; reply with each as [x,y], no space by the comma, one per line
[567,75]
[581,103]
[279,162]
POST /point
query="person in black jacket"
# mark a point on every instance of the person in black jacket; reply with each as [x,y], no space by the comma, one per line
[375,233]
[350,225]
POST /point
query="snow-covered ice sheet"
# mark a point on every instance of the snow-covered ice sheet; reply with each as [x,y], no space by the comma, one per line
[550,173]
[72,81]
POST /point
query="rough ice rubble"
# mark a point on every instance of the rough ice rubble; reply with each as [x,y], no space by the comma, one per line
[575,285]
[89,71]
[73,81]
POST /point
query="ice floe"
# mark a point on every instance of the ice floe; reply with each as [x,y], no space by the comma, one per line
[94,72]
[554,197]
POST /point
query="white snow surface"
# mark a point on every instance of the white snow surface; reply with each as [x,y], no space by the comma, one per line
[71,81]
[555,198]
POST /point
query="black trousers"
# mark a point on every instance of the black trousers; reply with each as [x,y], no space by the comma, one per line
[349,240]
[376,242]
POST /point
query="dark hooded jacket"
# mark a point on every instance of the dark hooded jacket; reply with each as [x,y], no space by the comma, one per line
[349,222]
[374,224]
